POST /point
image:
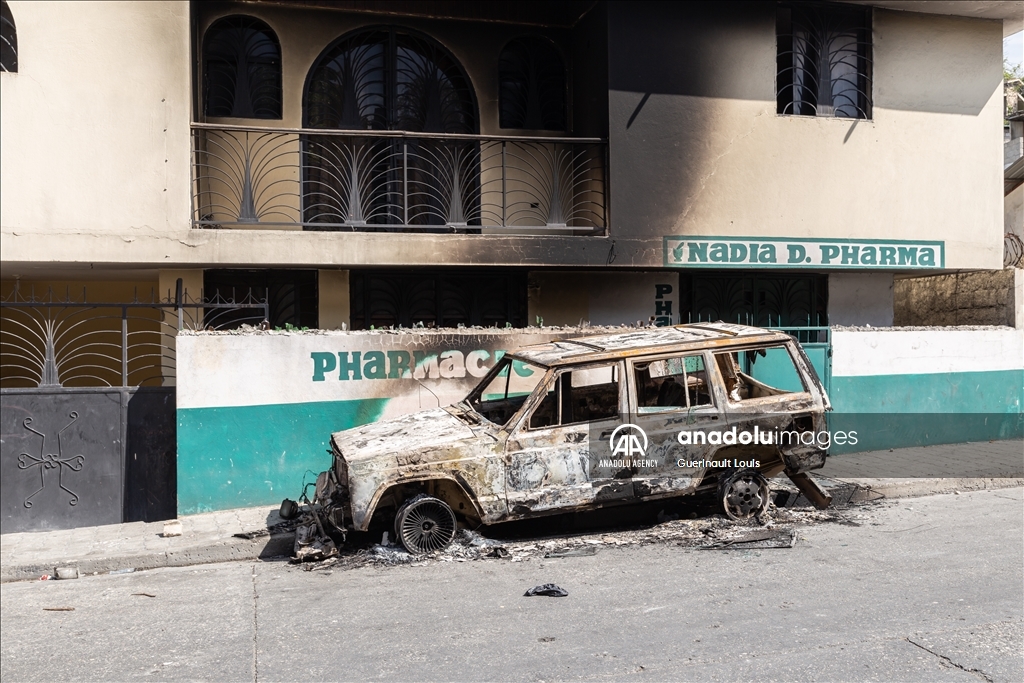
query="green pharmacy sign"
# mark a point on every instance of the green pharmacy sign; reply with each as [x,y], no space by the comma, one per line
[784,252]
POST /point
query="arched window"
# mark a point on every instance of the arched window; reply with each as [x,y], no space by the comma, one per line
[389,79]
[241,69]
[532,90]
[8,40]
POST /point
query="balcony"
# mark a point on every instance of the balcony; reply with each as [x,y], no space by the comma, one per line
[384,181]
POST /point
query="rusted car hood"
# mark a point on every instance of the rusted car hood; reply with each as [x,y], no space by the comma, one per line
[429,430]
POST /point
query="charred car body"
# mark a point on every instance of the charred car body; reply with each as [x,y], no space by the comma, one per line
[588,422]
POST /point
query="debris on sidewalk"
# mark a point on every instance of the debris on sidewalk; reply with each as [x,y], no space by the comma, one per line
[548,589]
[778,531]
[64,573]
[250,535]
[172,528]
[757,539]
[571,552]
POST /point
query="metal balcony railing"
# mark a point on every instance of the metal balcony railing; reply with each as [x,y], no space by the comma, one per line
[252,178]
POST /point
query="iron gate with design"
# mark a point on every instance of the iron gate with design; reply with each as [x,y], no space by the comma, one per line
[87,406]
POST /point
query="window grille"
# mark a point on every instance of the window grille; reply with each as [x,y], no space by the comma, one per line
[532,92]
[824,60]
[8,40]
[242,69]
[389,79]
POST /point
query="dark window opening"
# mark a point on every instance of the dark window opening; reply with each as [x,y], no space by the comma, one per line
[532,91]
[8,40]
[437,299]
[242,69]
[824,60]
[754,299]
[389,79]
[291,294]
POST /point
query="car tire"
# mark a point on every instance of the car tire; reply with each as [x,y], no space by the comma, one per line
[425,524]
[744,494]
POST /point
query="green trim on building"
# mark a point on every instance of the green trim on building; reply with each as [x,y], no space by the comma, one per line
[900,411]
[257,455]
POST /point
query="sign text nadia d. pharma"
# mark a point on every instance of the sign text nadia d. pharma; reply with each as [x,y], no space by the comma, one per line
[783,252]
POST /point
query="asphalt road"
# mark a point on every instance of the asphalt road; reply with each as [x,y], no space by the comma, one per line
[929,589]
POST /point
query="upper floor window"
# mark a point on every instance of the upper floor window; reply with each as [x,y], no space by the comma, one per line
[388,78]
[242,69]
[8,40]
[532,90]
[824,60]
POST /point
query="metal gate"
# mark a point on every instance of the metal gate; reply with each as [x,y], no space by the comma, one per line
[87,406]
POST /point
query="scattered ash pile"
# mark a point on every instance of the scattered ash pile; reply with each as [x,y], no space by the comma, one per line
[779,529]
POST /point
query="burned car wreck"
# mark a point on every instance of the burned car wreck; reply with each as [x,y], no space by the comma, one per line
[703,409]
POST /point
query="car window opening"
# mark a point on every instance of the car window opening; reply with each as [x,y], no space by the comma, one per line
[579,396]
[758,373]
[678,383]
[504,391]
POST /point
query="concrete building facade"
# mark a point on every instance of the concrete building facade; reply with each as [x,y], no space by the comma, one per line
[360,164]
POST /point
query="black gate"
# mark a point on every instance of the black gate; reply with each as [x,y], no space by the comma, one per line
[87,407]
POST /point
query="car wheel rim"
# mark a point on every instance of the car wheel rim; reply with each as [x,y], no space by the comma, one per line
[427,526]
[745,497]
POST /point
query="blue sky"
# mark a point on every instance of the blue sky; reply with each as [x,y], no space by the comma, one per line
[1013,48]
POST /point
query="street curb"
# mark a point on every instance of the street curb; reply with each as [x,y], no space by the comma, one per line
[235,549]
[915,488]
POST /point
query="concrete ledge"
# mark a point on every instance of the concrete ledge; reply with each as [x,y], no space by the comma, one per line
[234,549]
[877,489]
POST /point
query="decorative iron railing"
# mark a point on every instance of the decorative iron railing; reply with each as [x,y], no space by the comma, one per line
[396,182]
[64,341]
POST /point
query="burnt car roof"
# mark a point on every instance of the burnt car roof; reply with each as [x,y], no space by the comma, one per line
[647,340]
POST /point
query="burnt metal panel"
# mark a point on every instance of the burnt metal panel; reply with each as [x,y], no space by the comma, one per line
[151,472]
[60,459]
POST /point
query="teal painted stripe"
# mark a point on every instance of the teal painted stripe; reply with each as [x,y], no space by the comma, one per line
[997,391]
[900,411]
[257,455]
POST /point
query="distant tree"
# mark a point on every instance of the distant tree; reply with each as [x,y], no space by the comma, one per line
[1013,87]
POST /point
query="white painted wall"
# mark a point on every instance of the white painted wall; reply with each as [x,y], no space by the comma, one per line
[1013,216]
[861,353]
[860,299]
[232,369]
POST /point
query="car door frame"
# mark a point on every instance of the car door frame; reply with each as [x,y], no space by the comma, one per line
[568,446]
[673,479]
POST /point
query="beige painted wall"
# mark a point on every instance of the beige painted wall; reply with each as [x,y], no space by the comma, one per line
[333,299]
[709,155]
[602,298]
[305,32]
[105,163]
[95,122]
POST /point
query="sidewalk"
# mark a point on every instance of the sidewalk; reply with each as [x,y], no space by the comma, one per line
[209,537]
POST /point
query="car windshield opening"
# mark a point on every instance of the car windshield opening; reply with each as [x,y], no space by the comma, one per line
[504,390]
